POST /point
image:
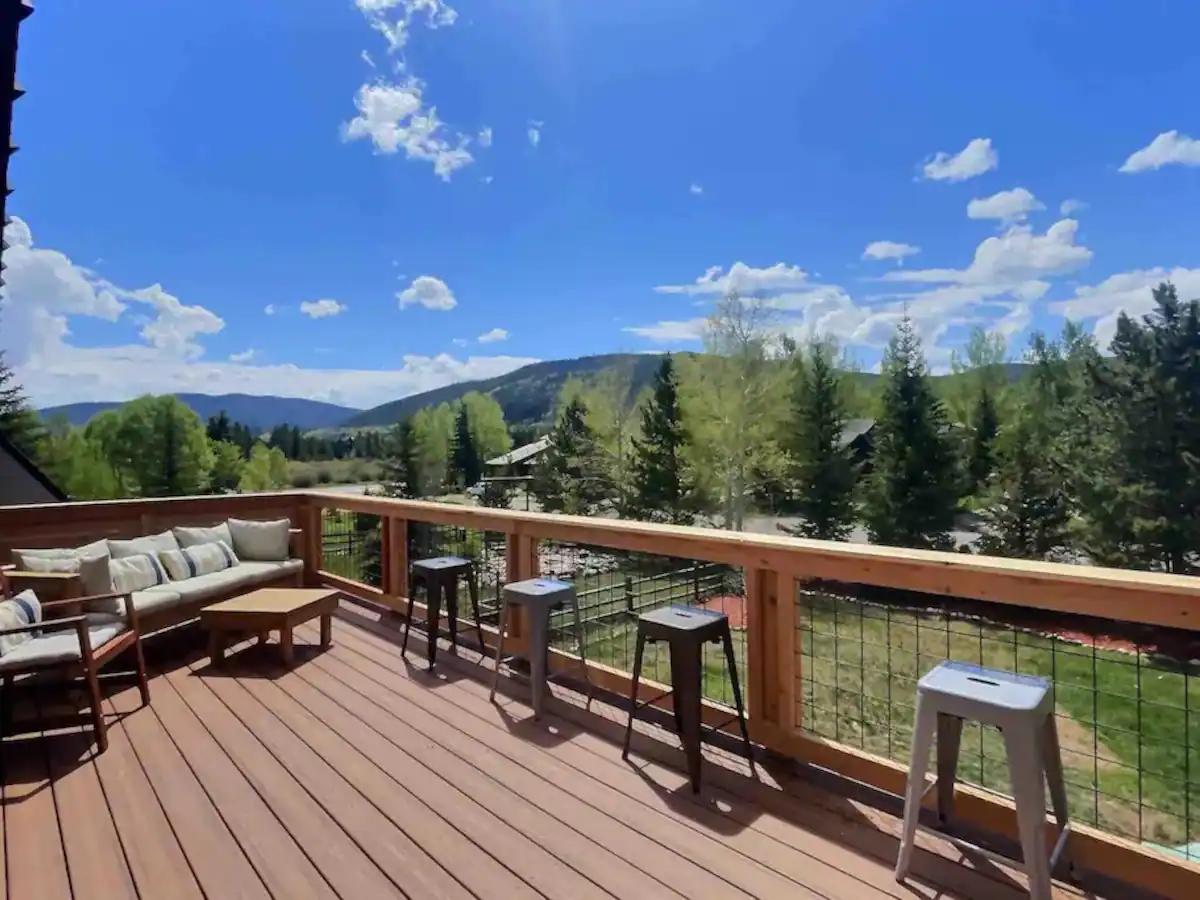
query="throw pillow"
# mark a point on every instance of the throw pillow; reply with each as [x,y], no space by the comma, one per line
[16,612]
[94,575]
[191,536]
[261,541]
[153,544]
[136,573]
[199,559]
[93,572]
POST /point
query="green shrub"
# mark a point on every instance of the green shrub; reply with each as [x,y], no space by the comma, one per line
[303,480]
[324,476]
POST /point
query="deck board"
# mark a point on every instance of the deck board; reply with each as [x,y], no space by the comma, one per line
[355,775]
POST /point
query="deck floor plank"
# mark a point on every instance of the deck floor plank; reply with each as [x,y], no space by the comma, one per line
[36,862]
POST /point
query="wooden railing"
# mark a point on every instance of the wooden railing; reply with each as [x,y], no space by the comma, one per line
[777,576]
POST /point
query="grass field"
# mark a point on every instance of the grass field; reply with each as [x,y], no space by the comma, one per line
[332,471]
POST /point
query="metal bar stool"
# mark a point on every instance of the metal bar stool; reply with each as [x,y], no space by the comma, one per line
[1022,707]
[439,576]
[686,630]
[541,596]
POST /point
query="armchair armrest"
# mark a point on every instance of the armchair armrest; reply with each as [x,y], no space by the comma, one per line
[48,624]
[47,585]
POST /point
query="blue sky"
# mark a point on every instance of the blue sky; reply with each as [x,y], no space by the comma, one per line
[354,201]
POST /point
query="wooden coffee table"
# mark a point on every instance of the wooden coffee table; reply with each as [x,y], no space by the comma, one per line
[265,610]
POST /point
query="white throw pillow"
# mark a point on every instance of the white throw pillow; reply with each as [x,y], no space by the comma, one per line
[153,544]
[261,541]
[136,573]
[191,536]
[93,567]
[16,612]
[199,559]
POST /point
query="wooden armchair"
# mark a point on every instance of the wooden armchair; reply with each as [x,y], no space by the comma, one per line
[77,645]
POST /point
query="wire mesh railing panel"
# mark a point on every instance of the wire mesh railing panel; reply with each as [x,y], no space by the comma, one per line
[351,546]
[1124,697]
[614,587]
[485,550]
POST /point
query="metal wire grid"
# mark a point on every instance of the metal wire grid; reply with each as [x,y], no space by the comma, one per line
[1130,738]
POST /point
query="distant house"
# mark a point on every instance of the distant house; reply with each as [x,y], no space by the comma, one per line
[21,481]
[518,462]
[857,434]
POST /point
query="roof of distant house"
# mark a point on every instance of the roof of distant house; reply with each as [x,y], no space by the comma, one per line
[521,454]
[12,450]
[854,429]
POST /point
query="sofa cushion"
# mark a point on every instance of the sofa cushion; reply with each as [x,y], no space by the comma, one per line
[156,598]
[190,536]
[93,567]
[136,573]
[205,587]
[198,559]
[60,645]
[153,544]
[16,612]
[271,571]
[261,541]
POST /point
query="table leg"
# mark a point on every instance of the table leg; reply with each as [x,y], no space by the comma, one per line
[263,636]
[286,647]
[216,647]
[326,631]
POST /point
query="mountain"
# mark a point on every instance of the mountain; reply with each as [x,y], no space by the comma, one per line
[527,395]
[256,413]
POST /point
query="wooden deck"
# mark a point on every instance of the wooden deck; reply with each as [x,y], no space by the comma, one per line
[357,777]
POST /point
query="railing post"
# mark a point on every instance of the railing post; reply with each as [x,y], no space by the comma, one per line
[394,541]
[771,651]
[313,536]
[521,564]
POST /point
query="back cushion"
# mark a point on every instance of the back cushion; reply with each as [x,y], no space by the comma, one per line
[199,559]
[136,573]
[261,541]
[153,544]
[92,564]
[23,609]
[190,537]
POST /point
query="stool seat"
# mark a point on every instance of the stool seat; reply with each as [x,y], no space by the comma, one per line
[439,577]
[685,630]
[1022,707]
[541,596]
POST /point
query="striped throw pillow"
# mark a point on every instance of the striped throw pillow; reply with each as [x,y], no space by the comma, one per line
[199,559]
[15,612]
[136,573]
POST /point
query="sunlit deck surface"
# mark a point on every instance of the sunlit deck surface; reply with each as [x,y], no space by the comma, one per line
[357,777]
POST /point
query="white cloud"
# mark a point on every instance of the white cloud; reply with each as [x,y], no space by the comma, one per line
[459,342]
[485,137]
[429,292]
[487,179]
[743,279]
[493,336]
[889,250]
[393,114]
[1169,148]
[366,57]
[321,309]
[535,133]
[45,290]
[269,309]
[670,332]
[696,190]
[1071,207]
[974,159]
[1128,292]
[1007,206]
[244,357]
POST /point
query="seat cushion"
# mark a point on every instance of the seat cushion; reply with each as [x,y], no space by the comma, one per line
[60,645]
[267,541]
[270,571]
[214,584]
[156,598]
[153,545]
[190,536]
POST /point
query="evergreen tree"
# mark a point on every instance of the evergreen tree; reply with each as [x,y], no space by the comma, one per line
[18,422]
[401,470]
[822,470]
[570,477]
[985,426]
[662,485]
[911,496]
[465,464]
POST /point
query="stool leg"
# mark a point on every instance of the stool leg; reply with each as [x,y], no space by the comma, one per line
[473,589]
[923,731]
[731,662]
[1029,794]
[1052,761]
[639,650]
[581,637]
[949,740]
[412,591]
[451,588]
[539,647]
[499,649]
[433,617]
[685,680]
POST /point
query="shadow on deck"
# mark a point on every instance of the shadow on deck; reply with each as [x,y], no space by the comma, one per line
[356,775]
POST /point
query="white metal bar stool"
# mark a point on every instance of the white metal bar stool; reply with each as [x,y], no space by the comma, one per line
[1022,707]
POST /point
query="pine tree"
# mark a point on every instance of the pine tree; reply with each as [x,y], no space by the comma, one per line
[663,490]
[465,464]
[401,468]
[570,477]
[911,497]
[985,426]
[822,471]
[18,422]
